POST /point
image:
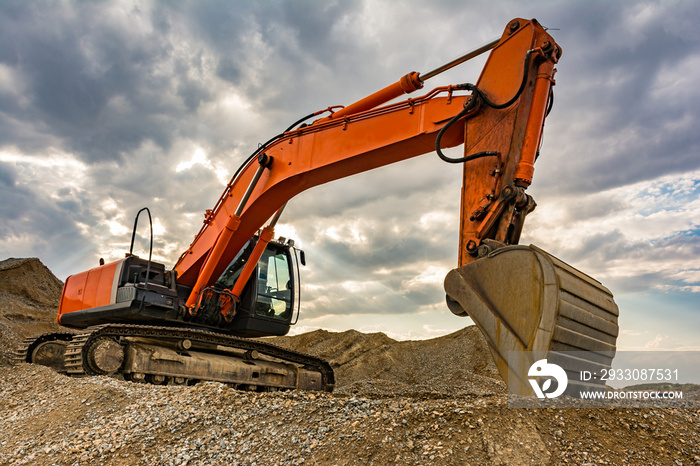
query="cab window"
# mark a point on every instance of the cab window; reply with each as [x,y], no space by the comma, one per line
[274,285]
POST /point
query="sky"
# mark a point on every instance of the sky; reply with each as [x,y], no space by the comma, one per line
[107,107]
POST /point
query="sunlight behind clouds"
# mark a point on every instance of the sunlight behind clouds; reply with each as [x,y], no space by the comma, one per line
[200,158]
[106,108]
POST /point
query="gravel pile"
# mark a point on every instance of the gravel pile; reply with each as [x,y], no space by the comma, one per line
[29,295]
[430,402]
[374,364]
[47,418]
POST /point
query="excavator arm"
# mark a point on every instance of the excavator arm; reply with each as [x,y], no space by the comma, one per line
[528,304]
[504,117]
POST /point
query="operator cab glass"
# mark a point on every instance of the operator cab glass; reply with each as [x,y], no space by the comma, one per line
[267,302]
[274,285]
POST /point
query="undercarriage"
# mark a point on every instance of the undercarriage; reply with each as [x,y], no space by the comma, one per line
[180,356]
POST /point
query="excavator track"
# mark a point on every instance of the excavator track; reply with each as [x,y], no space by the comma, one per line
[46,349]
[180,355]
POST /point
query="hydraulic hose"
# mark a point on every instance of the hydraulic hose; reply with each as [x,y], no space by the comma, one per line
[526,72]
[273,139]
[480,96]
[473,102]
[550,104]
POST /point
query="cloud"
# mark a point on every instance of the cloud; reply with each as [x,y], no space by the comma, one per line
[108,107]
[633,238]
[628,84]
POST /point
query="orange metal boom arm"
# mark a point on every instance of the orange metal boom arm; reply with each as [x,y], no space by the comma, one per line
[347,144]
[312,156]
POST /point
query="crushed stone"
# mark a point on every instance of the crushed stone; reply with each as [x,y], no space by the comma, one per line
[436,401]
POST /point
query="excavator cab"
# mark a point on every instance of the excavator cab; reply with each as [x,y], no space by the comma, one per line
[270,299]
[138,291]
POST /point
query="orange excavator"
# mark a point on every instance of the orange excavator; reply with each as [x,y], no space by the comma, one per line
[198,320]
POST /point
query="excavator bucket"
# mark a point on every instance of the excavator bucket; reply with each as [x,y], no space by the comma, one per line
[532,306]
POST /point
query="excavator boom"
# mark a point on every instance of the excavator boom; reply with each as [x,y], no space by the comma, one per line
[504,116]
[236,279]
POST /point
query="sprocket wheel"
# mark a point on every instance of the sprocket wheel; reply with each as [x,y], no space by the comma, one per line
[104,356]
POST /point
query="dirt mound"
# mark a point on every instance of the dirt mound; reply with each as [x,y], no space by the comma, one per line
[376,364]
[50,419]
[30,280]
[337,348]
[29,296]
[436,401]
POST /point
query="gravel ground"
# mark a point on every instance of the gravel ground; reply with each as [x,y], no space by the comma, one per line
[430,402]
[47,418]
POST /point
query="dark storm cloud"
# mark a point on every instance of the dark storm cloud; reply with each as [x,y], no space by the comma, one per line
[101,80]
[224,24]
[269,49]
[7,175]
[104,78]
[76,63]
[15,200]
[50,223]
[228,70]
[95,77]
[621,78]
[378,251]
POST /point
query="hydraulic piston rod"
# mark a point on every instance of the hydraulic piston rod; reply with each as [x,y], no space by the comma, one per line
[408,83]
[222,242]
[457,61]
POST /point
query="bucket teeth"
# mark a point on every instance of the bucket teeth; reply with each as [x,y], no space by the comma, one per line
[530,306]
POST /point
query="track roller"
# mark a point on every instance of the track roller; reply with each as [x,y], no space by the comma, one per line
[105,356]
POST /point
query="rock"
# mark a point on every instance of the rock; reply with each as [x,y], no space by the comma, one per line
[420,402]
